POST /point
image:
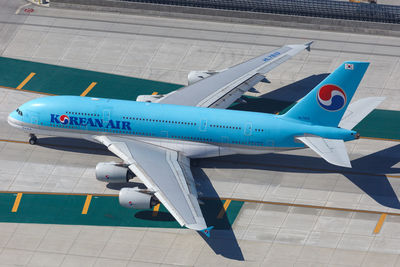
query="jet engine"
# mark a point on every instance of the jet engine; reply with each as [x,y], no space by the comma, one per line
[113,172]
[136,198]
[149,98]
[197,75]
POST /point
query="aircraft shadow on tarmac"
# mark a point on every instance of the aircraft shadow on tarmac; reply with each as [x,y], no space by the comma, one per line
[368,173]
[282,98]
[222,240]
[73,145]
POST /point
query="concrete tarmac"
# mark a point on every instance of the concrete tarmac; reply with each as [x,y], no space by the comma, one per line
[314,214]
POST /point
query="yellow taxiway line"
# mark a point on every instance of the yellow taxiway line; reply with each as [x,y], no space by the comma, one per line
[28,91]
[26,80]
[16,202]
[231,199]
[87,204]
[88,89]
[155,210]
[224,208]
[380,223]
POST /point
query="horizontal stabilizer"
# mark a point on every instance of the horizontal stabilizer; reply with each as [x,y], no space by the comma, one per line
[332,150]
[358,110]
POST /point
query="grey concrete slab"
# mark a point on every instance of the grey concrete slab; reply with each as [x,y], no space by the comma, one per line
[74,260]
[59,239]
[355,242]
[46,259]
[376,259]
[347,257]
[323,239]
[333,221]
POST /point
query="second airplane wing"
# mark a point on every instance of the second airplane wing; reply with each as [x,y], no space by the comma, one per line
[221,89]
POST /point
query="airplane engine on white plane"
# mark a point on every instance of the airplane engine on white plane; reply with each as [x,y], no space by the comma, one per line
[136,198]
[113,172]
[149,98]
[197,75]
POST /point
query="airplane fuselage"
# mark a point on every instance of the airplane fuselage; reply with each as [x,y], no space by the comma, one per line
[201,132]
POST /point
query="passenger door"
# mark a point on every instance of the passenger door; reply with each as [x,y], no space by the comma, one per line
[248,129]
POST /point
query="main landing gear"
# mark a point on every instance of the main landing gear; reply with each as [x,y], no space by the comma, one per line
[32,139]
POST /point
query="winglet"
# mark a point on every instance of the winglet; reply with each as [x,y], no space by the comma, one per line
[308,46]
[207,231]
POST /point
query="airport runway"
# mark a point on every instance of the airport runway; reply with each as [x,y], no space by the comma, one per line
[299,210]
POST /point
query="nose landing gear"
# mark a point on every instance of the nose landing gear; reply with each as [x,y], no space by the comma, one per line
[32,139]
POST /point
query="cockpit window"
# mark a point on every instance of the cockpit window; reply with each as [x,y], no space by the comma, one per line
[19,112]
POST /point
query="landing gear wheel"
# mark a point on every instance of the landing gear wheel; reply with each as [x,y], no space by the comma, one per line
[32,139]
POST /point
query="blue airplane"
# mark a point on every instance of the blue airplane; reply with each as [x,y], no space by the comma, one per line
[157,135]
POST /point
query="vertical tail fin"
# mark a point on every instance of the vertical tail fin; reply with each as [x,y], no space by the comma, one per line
[327,102]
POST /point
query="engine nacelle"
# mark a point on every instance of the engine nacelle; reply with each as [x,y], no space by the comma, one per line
[112,172]
[134,198]
[197,75]
[148,98]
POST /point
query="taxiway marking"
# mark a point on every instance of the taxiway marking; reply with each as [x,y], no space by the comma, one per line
[87,204]
[155,210]
[90,87]
[16,202]
[26,80]
[224,208]
[231,199]
[380,223]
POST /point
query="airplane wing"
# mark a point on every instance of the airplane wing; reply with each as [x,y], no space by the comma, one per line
[220,90]
[332,150]
[166,173]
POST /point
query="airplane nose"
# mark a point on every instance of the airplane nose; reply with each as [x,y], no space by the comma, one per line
[11,120]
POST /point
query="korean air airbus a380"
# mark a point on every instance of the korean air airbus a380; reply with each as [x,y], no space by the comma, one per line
[157,138]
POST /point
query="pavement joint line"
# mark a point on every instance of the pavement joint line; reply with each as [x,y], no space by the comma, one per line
[184,37]
[379,138]
[90,87]
[87,204]
[223,209]
[16,202]
[232,199]
[27,79]
[23,90]
[193,27]
[313,206]
[155,210]
[380,223]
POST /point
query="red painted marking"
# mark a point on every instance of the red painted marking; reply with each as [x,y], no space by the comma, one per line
[29,10]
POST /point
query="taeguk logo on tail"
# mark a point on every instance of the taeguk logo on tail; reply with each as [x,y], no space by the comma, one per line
[331,97]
